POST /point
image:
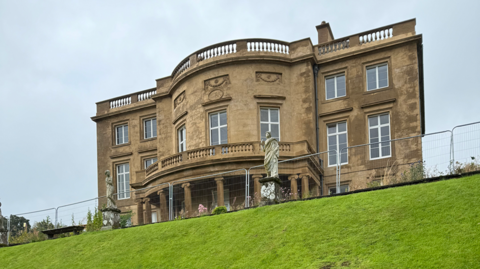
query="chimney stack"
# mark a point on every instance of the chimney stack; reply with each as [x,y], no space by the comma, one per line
[324,32]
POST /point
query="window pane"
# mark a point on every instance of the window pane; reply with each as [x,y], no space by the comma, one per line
[332,129]
[341,88]
[275,131]
[126,168]
[223,135]
[213,120]
[371,79]
[274,115]
[343,188]
[373,121]
[385,133]
[342,127]
[374,153]
[125,134]
[154,127]
[148,129]
[332,142]
[223,118]
[330,84]
[333,190]
[373,135]
[263,114]
[332,158]
[386,149]
[214,136]
[263,130]
[154,160]
[119,132]
[382,76]
[127,185]
[343,157]
[384,119]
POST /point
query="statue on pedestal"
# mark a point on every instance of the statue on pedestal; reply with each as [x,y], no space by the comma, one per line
[270,191]
[111,214]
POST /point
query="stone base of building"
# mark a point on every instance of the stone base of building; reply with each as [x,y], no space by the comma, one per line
[111,218]
[270,190]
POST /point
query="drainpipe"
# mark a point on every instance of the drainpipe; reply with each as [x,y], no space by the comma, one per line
[315,77]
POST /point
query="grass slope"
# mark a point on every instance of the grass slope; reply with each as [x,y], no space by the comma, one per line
[435,225]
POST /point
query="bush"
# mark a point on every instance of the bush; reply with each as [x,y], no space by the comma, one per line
[219,210]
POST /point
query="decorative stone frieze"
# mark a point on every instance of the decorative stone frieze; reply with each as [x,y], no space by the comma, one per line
[180,98]
[269,77]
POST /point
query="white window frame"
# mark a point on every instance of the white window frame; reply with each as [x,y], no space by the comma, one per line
[152,129]
[149,159]
[336,134]
[126,187]
[378,127]
[182,144]
[376,66]
[330,188]
[269,122]
[123,134]
[335,85]
[218,127]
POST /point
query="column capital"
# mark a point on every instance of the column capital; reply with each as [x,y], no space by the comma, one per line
[217,179]
[305,176]
[139,200]
[160,192]
[292,177]
[255,176]
[146,200]
[186,185]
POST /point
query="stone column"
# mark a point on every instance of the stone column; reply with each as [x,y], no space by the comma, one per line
[257,188]
[305,187]
[316,190]
[293,187]
[139,211]
[188,199]
[148,211]
[220,197]
[163,205]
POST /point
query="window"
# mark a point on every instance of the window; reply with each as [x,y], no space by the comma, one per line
[218,128]
[182,139]
[379,131]
[123,181]
[149,162]
[377,76]
[333,190]
[269,121]
[154,217]
[337,140]
[335,86]
[150,128]
[121,134]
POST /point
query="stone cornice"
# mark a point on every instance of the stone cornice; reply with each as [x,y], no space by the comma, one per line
[217,101]
[279,97]
[348,109]
[379,103]
[121,111]
[120,155]
[179,117]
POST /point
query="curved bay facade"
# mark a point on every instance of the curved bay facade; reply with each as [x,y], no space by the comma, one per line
[210,114]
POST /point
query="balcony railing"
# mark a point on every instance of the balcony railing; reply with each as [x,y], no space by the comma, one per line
[225,151]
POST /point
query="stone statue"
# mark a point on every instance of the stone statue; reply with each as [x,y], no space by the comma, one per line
[272,151]
[270,191]
[110,189]
[111,214]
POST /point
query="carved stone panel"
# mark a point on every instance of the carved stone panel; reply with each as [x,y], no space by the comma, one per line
[269,77]
[216,88]
[180,98]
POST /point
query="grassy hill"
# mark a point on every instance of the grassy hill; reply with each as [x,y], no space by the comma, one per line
[434,225]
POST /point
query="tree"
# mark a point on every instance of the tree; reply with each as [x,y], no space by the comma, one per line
[16,225]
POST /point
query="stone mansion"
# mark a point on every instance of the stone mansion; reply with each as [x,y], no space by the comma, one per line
[210,114]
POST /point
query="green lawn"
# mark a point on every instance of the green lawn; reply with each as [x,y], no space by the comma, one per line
[434,225]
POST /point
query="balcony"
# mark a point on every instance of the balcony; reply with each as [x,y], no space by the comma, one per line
[226,153]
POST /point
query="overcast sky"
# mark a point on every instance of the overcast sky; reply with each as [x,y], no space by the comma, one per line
[57,58]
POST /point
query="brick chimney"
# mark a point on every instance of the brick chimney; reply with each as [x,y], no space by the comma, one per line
[324,32]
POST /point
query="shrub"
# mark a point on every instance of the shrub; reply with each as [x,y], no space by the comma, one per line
[219,210]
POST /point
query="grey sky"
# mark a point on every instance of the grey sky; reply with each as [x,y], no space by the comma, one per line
[57,58]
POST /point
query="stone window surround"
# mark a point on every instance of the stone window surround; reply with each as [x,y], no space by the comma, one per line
[379,136]
[337,142]
[270,104]
[377,110]
[178,126]
[382,60]
[142,119]
[335,118]
[146,157]
[114,133]
[322,91]
[178,123]
[207,121]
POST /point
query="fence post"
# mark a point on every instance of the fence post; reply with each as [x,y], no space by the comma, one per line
[8,230]
[170,201]
[247,189]
[452,152]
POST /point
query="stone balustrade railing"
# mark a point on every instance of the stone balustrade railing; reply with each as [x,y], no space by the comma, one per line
[122,101]
[125,100]
[367,37]
[145,95]
[266,45]
[217,50]
[250,149]
[181,67]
